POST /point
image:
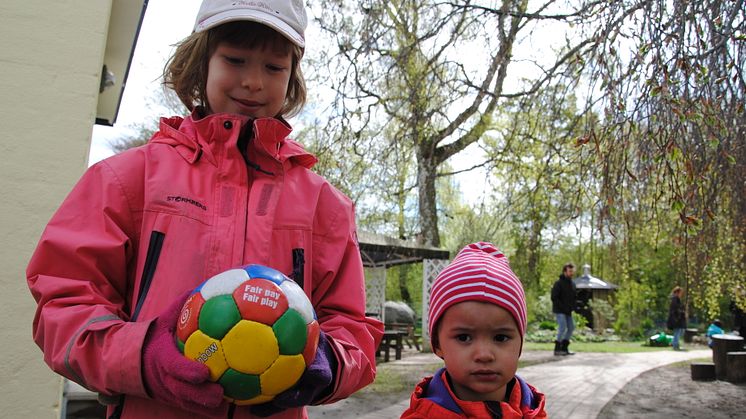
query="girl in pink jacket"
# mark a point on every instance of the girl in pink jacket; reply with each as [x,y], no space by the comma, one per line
[221,188]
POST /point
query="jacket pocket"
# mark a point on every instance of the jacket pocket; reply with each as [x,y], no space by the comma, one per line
[148,271]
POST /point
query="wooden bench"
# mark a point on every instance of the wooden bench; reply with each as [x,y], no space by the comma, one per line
[391,339]
[736,365]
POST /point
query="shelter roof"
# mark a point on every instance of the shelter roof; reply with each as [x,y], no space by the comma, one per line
[382,251]
[588,281]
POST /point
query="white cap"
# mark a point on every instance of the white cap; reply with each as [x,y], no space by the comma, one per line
[287,17]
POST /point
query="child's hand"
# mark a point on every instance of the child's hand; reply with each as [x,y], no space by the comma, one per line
[172,378]
[314,382]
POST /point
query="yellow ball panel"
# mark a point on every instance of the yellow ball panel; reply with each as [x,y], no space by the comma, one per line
[283,374]
[202,348]
[250,347]
[254,400]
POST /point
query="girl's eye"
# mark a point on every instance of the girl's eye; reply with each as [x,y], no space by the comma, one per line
[234,60]
[274,68]
[502,338]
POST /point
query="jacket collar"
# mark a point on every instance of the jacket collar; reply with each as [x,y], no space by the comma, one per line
[522,398]
[196,137]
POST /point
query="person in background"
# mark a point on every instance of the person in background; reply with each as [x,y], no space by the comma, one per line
[477,321]
[676,317]
[221,188]
[715,328]
[563,304]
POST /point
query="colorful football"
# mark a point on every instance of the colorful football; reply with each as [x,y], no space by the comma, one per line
[254,328]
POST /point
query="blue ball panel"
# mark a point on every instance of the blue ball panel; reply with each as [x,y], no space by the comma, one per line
[259,271]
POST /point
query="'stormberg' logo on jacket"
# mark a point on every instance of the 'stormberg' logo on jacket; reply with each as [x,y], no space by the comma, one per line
[187,200]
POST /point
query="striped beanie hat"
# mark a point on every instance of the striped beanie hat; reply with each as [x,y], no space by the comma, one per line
[480,272]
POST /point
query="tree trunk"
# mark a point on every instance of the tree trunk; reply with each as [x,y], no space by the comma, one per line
[428,209]
[403,290]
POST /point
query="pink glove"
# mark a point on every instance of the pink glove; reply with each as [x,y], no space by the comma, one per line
[172,378]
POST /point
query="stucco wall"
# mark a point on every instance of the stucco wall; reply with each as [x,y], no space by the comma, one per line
[50,63]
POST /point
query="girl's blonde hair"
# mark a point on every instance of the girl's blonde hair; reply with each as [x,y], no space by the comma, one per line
[186,70]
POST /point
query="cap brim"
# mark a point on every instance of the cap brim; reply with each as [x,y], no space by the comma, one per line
[254,16]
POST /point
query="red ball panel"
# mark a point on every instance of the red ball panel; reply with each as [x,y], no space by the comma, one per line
[260,300]
[312,342]
[189,318]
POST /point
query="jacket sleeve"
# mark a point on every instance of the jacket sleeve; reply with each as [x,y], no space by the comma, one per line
[339,297]
[79,277]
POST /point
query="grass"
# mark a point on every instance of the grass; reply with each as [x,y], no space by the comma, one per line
[610,347]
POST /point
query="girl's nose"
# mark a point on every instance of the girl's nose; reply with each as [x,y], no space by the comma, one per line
[251,79]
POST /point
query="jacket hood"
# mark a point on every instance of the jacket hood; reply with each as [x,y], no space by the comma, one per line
[194,137]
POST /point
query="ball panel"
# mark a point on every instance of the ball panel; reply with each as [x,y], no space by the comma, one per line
[218,315]
[312,342]
[298,300]
[250,347]
[239,386]
[282,375]
[260,300]
[259,271]
[189,318]
[179,345]
[223,283]
[209,351]
[291,332]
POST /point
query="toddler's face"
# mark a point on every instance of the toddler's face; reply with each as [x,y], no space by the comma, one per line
[247,81]
[480,344]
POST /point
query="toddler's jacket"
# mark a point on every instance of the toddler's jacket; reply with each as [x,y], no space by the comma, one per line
[434,398]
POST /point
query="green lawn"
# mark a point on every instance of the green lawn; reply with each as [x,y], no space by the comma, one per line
[616,347]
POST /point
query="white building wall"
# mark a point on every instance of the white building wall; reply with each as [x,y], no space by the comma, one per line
[50,62]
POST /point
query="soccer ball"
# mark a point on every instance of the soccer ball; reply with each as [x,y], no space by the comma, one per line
[255,330]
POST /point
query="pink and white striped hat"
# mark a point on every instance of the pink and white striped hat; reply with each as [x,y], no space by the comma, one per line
[480,272]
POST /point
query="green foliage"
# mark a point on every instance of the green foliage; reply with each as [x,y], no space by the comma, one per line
[413,285]
[547,325]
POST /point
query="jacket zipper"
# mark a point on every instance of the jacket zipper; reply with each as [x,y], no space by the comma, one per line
[151,262]
[299,262]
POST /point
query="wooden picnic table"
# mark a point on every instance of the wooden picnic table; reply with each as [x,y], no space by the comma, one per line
[391,339]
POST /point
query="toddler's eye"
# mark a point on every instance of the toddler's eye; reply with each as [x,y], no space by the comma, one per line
[463,337]
[502,338]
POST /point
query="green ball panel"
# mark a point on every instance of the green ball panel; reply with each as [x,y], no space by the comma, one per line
[180,345]
[218,315]
[291,333]
[240,386]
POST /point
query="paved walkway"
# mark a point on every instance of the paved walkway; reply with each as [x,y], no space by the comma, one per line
[576,387]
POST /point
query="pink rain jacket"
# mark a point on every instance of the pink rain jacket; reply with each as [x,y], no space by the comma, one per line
[153,221]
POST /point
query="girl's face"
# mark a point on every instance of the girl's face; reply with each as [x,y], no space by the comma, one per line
[247,81]
[480,344]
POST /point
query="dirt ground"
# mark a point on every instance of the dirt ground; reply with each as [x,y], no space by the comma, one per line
[669,392]
[666,392]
